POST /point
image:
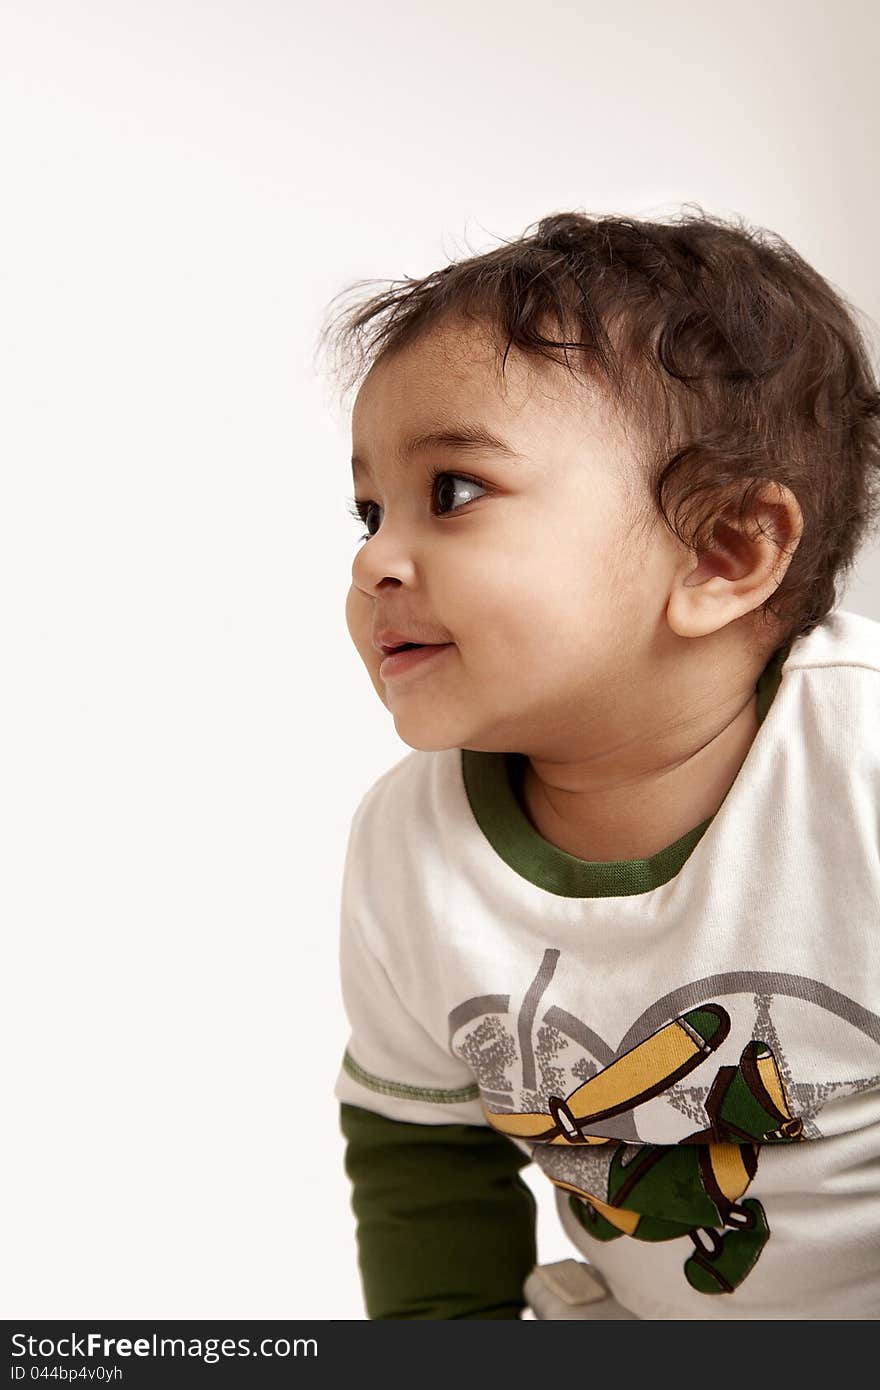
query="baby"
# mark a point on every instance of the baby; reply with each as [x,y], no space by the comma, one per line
[618,913]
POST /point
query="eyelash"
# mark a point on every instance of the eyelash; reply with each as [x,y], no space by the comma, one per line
[359,509]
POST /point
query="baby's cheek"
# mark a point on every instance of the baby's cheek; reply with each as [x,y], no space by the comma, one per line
[358,621]
[355,616]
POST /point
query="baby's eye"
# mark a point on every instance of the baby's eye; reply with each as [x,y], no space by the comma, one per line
[470,485]
[361,510]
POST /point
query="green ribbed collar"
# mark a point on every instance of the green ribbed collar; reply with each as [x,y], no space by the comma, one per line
[491,780]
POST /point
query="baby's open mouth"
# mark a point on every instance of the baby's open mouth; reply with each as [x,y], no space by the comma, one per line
[389,642]
[410,646]
[409,656]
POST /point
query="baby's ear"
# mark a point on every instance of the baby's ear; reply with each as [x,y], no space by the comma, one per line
[740,569]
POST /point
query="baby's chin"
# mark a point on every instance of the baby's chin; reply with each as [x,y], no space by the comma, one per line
[426,726]
[429,746]
[435,731]
[425,736]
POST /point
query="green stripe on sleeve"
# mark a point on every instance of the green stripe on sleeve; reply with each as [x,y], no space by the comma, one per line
[398,1088]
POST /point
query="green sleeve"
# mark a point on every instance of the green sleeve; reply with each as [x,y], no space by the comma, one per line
[445,1224]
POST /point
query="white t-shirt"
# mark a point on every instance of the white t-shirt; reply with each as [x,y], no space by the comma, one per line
[688,1046]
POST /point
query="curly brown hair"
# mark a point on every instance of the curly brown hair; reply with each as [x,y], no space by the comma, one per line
[739,363]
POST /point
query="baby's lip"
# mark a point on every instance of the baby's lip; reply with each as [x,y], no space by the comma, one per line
[387,639]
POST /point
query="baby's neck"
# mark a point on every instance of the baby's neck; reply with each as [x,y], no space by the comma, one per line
[639,814]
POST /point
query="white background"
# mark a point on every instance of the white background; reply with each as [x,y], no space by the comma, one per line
[186,726]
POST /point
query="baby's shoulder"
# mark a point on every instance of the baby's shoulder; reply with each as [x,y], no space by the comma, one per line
[408,802]
[844,639]
[829,705]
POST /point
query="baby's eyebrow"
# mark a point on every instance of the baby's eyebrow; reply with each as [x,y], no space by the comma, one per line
[462,436]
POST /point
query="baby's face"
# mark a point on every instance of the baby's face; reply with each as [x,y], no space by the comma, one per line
[533,569]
